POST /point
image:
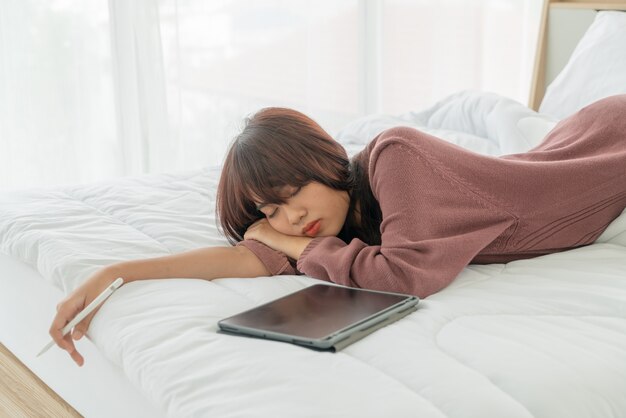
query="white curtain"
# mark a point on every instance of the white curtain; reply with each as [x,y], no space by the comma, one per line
[91,89]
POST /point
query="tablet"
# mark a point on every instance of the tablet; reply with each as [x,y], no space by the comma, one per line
[323,317]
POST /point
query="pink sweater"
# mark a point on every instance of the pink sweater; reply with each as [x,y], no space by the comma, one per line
[445,207]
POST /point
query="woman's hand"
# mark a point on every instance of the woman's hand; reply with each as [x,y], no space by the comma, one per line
[263,232]
[75,302]
[291,245]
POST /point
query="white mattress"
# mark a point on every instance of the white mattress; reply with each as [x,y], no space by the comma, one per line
[544,337]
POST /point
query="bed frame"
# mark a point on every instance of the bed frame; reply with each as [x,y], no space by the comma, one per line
[563,23]
[22,393]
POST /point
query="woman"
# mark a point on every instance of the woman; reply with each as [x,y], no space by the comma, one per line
[407,214]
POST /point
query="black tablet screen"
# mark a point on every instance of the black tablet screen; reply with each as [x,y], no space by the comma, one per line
[316,311]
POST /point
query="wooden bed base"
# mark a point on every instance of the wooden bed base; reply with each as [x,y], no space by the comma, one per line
[23,394]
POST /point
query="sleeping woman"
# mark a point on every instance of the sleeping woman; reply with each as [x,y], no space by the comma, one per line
[406,214]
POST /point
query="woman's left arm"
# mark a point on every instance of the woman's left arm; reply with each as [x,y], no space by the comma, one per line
[432,227]
[291,246]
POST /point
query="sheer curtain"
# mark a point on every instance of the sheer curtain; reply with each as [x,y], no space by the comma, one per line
[92,89]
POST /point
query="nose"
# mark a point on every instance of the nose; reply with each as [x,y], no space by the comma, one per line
[295,215]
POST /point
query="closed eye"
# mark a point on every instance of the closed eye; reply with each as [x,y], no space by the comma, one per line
[271,215]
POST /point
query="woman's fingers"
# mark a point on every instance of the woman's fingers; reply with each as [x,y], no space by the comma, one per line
[71,306]
[76,356]
[65,313]
[81,328]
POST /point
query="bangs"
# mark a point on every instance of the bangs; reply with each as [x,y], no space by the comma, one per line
[263,180]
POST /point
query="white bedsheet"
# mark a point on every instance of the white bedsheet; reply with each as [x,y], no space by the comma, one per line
[544,337]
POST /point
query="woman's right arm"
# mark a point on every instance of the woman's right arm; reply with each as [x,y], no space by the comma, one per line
[205,263]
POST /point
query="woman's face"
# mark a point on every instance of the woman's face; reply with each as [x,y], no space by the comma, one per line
[314,210]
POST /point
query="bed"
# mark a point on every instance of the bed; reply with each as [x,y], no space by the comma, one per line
[543,337]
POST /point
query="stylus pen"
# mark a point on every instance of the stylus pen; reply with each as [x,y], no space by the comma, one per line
[82,314]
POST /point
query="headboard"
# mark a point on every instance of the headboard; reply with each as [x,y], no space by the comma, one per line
[563,23]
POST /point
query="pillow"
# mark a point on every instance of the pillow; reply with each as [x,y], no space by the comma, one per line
[596,69]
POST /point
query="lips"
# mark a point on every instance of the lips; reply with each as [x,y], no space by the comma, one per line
[311,228]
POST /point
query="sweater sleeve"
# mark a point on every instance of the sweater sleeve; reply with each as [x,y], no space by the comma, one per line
[433,226]
[275,262]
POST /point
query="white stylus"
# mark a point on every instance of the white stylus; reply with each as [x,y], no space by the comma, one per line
[82,314]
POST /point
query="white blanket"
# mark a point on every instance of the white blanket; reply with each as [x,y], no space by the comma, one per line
[544,337]
[483,122]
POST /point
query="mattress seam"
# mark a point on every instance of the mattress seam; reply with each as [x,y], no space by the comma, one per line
[397,381]
[452,357]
